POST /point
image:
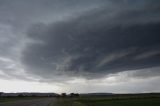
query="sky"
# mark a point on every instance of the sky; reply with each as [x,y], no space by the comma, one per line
[80,46]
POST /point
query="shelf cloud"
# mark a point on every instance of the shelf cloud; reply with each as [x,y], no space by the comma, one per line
[102,41]
[80,44]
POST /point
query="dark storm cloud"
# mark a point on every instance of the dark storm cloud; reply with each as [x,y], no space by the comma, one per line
[17,15]
[106,40]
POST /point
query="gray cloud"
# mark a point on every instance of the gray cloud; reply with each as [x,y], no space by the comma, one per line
[106,40]
[145,73]
[21,13]
[81,45]
[17,15]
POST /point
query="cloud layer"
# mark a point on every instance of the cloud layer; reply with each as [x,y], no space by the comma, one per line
[80,45]
[95,43]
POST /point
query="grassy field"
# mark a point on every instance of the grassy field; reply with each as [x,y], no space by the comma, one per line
[11,99]
[123,100]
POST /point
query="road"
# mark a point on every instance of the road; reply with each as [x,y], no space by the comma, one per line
[35,102]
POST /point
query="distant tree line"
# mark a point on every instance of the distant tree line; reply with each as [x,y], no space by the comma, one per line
[70,95]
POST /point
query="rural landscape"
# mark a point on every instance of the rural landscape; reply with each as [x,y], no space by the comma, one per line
[79,52]
[90,99]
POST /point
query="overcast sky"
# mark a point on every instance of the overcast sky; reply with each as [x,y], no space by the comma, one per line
[80,46]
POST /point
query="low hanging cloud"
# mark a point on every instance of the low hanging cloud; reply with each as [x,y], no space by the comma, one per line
[96,43]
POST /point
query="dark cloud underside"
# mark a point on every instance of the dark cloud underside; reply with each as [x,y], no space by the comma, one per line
[102,41]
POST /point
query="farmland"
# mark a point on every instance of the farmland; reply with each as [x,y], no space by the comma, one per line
[114,100]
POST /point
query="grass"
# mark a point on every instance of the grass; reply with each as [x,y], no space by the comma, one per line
[110,101]
[12,99]
[127,102]
[67,102]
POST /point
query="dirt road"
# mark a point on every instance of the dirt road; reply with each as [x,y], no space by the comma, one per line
[35,102]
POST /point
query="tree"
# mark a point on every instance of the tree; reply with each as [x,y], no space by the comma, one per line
[63,94]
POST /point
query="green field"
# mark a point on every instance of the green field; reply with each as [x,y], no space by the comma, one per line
[110,101]
[133,102]
[11,99]
[113,100]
